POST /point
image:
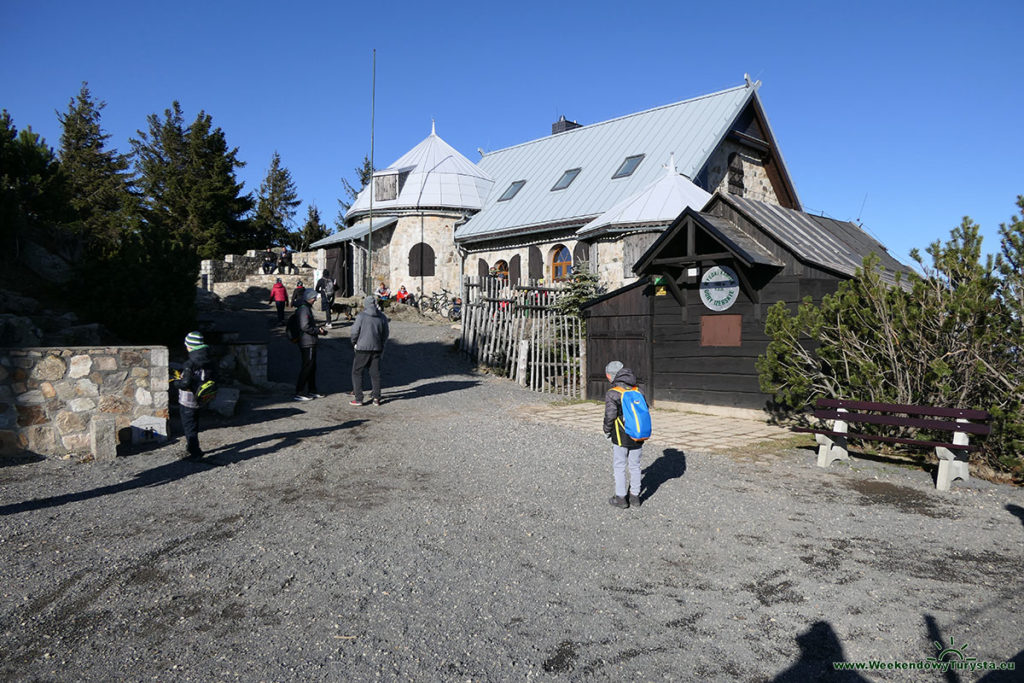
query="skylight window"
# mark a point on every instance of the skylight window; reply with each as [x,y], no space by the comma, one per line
[512,190]
[628,166]
[566,179]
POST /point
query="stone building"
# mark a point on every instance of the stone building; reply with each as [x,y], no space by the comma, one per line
[598,193]
[415,205]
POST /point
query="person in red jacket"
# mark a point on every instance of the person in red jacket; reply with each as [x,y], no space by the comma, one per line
[279,296]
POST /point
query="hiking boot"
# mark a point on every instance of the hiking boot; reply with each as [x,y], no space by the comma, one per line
[634,501]
[376,401]
[619,502]
[354,402]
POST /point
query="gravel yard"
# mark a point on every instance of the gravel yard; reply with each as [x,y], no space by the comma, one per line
[442,536]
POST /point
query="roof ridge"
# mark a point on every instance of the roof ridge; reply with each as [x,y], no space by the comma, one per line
[719,93]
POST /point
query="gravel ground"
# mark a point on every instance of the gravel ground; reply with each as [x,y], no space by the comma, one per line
[443,537]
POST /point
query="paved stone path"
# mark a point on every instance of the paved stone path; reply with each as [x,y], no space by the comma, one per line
[674,427]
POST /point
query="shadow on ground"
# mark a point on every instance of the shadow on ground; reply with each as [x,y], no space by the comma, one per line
[671,464]
[179,469]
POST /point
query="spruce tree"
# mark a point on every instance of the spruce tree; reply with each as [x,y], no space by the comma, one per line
[187,177]
[275,206]
[312,230]
[364,174]
[99,183]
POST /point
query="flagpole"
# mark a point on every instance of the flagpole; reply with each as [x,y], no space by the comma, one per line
[369,241]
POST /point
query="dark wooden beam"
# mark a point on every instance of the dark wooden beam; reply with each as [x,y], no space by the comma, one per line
[691,260]
[757,143]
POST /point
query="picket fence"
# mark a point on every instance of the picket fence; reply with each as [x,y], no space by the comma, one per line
[517,331]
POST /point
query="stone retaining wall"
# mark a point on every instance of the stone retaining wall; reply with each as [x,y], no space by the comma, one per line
[49,396]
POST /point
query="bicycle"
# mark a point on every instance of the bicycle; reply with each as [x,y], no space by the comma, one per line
[439,303]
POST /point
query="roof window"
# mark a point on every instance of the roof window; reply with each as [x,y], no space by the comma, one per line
[512,190]
[628,166]
[566,179]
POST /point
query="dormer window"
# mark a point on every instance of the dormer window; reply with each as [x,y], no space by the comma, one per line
[628,166]
[512,190]
[566,179]
[387,186]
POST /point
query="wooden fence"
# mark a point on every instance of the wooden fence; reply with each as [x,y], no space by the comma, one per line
[518,331]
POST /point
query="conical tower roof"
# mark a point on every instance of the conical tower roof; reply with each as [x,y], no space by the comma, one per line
[660,202]
[430,175]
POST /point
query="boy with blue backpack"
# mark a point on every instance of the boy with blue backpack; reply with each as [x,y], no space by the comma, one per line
[627,423]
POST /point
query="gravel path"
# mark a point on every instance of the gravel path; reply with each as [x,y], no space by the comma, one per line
[442,536]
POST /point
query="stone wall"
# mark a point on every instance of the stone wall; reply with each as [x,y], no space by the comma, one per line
[436,231]
[49,396]
[756,184]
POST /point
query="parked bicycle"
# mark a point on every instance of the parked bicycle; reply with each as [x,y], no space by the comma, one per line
[438,303]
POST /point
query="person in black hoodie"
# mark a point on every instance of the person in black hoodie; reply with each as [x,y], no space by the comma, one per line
[625,450]
[199,368]
[308,337]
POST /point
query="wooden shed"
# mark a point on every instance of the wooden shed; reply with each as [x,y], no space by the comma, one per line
[692,326]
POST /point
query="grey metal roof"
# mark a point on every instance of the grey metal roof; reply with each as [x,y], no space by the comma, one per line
[691,130]
[836,245]
[660,202]
[438,176]
[354,232]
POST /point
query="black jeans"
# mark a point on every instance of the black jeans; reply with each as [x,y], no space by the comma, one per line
[362,361]
[190,426]
[307,375]
[280,311]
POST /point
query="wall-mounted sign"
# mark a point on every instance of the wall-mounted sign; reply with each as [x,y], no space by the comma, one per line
[719,288]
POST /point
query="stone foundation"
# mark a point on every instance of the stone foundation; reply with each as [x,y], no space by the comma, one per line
[49,396]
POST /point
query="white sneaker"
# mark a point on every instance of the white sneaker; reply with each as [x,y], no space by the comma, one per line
[302,397]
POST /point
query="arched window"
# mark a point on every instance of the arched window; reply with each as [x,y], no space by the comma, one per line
[482,269]
[421,260]
[581,254]
[500,269]
[536,265]
[736,174]
[561,263]
[515,270]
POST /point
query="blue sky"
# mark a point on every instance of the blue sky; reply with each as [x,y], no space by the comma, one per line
[903,114]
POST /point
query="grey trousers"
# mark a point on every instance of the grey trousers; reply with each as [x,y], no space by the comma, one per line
[621,457]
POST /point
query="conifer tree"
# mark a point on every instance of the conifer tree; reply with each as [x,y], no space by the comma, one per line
[33,189]
[98,178]
[275,206]
[312,230]
[187,177]
[364,173]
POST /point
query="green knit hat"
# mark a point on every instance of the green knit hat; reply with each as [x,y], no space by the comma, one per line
[194,341]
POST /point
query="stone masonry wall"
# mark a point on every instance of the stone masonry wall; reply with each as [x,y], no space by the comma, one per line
[435,230]
[756,184]
[48,396]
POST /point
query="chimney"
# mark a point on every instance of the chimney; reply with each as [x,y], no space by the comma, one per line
[561,125]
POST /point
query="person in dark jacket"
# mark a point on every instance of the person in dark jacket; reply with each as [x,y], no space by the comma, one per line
[625,450]
[298,294]
[308,335]
[370,332]
[198,369]
[326,286]
[279,297]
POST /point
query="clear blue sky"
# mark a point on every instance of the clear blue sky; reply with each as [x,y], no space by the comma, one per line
[904,114]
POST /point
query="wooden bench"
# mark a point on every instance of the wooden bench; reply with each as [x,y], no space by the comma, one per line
[960,422]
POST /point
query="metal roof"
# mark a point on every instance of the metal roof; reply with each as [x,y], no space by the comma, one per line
[660,202]
[360,229]
[836,245]
[437,177]
[691,130]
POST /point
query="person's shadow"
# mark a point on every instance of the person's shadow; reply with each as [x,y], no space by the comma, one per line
[671,464]
[1016,510]
[179,469]
[819,648]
